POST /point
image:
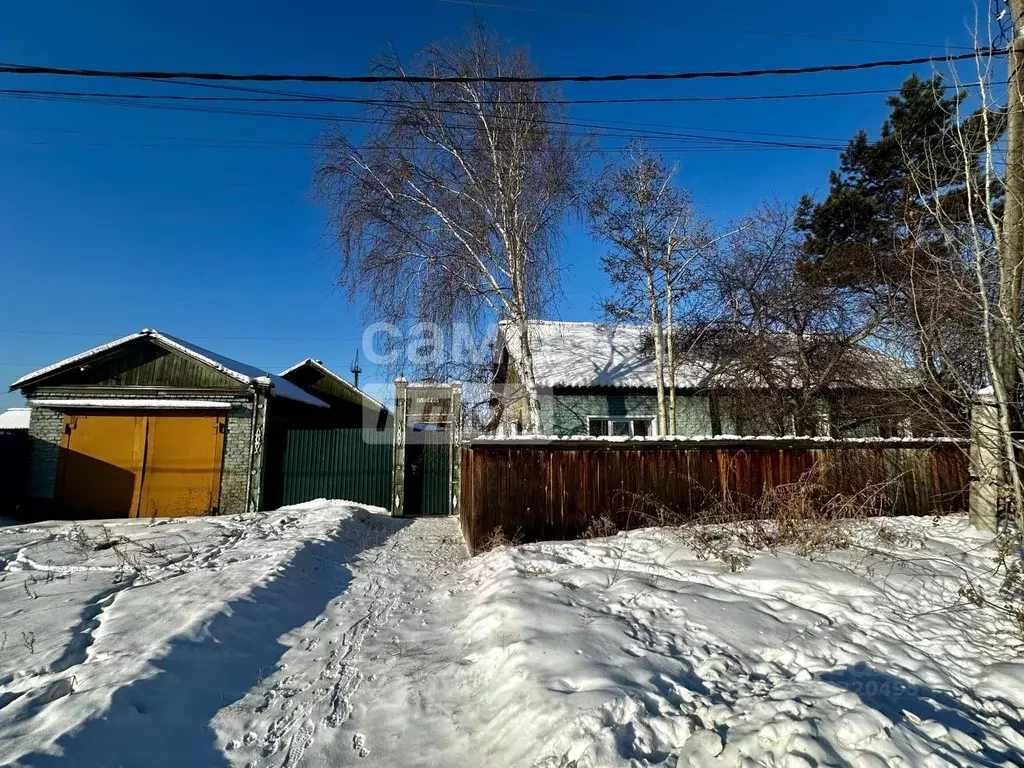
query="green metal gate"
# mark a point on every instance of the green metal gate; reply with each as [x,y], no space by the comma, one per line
[436,478]
[345,464]
[427,473]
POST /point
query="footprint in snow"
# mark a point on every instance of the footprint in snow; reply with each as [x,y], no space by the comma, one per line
[359,745]
[564,685]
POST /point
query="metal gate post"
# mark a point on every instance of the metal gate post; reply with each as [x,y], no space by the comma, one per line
[398,453]
[455,450]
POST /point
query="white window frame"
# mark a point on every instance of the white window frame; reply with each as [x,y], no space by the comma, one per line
[651,422]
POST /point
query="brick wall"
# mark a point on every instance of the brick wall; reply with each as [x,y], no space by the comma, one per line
[237,453]
[44,432]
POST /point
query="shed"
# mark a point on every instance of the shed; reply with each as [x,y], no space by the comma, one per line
[13,457]
[351,410]
[14,420]
[351,406]
[152,425]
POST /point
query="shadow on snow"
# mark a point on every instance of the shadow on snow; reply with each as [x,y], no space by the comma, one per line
[165,719]
[894,697]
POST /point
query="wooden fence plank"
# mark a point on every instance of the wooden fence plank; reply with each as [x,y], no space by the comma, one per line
[538,492]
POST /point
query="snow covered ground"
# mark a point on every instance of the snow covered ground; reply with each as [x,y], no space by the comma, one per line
[329,634]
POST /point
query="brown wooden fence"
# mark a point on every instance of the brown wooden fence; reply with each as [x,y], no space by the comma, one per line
[550,490]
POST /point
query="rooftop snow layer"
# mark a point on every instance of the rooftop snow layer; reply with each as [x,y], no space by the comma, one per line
[328,372]
[247,374]
[161,403]
[580,354]
[593,355]
[15,418]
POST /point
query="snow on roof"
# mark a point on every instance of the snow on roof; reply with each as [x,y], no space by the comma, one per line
[318,365]
[15,418]
[241,371]
[583,354]
[244,373]
[592,355]
[76,358]
[129,402]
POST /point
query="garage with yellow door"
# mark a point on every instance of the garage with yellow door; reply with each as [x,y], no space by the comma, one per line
[151,425]
[163,464]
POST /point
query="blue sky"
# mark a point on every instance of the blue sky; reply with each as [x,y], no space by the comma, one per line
[115,219]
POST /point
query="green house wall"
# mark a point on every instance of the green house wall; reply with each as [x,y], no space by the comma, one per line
[565,411]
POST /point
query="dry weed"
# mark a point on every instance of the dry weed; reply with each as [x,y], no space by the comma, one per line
[498,538]
[600,527]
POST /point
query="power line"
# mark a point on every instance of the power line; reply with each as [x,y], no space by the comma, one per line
[128,100]
[317,99]
[685,150]
[651,133]
[663,22]
[32,69]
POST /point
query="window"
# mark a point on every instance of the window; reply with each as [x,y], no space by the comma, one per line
[638,427]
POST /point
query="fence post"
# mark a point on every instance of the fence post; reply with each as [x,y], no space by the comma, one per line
[455,450]
[986,462]
[398,452]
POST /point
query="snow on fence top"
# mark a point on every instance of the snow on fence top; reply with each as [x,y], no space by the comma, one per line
[711,440]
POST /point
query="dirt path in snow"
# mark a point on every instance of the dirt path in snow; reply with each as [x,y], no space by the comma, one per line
[319,681]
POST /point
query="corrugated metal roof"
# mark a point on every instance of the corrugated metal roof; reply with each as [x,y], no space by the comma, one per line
[15,418]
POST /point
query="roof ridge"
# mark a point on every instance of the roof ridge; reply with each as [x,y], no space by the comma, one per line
[337,376]
[222,363]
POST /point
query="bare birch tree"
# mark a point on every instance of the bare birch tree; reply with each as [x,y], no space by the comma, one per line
[656,235]
[450,208]
[942,235]
[971,185]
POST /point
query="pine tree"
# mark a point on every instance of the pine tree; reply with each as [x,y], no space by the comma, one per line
[877,231]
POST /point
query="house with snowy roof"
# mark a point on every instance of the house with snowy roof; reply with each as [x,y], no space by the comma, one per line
[600,379]
[153,425]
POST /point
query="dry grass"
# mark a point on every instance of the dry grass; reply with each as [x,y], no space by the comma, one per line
[600,527]
[808,515]
[498,538]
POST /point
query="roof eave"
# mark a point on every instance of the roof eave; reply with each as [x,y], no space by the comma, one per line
[316,364]
[28,379]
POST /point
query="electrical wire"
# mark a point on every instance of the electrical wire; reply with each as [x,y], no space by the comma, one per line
[317,99]
[611,130]
[32,69]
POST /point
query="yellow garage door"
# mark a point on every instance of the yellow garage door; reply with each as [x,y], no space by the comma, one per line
[181,475]
[140,465]
[100,465]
